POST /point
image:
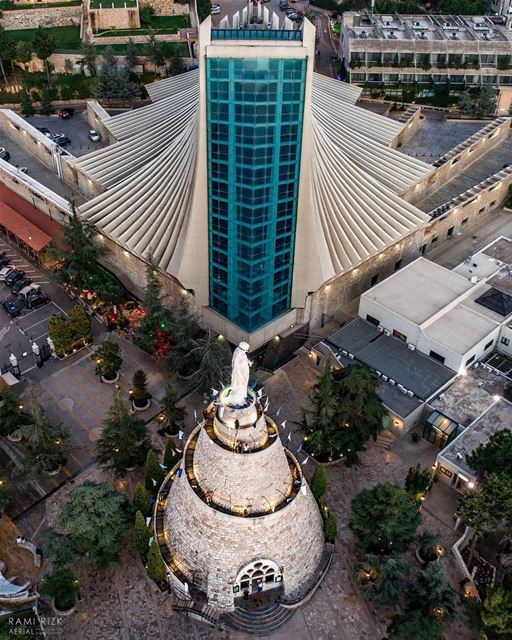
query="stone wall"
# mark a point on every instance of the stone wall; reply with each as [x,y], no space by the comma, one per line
[212,547]
[110,18]
[166,7]
[162,37]
[47,17]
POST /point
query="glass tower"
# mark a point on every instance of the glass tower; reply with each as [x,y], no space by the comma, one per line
[254,134]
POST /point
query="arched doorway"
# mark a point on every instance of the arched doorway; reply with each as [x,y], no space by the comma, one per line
[257,576]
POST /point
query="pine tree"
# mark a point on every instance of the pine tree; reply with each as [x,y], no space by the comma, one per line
[68,66]
[182,355]
[27,108]
[319,436]
[172,412]
[11,412]
[171,456]
[213,368]
[139,392]
[113,82]
[7,51]
[89,57]
[155,565]
[141,500]
[141,534]
[416,482]
[431,593]
[382,579]
[154,52]
[153,473]
[319,482]
[414,625]
[23,54]
[131,55]
[108,360]
[157,320]
[330,528]
[81,323]
[46,101]
[496,612]
[487,101]
[465,103]
[123,442]
[177,66]
[44,45]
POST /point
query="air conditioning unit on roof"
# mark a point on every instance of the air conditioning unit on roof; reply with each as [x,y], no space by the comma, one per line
[345,353]
[351,356]
[391,381]
[380,328]
[410,393]
[384,377]
[387,332]
[411,347]
[378,374]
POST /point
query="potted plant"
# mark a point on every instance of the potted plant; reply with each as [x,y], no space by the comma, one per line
[171,412]
[140,396]
[108,361]
[62,586]
[429,548]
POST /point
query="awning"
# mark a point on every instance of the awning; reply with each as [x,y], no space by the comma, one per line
[23,228]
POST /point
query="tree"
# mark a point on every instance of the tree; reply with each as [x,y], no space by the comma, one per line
[108,360]
[489,506]
[384,518]
[23,54]
[330,528]
[113,82]
[141,534]
[359,414]
[11,412]
[170,409]
[203,9]
[44,45]
[155,566]
[487,101]
[81,323]
[429,543]
[61,585]
[68,66]
[430,592]
[131,55]
[465,102]
[61,334]
[213,367]
[494,456]
[171,456]
[139,392]
[320,435]
[181,356]
[141,500]
[319,482]
[382,579]
[7,51]
[46,101]
[154,52]
[416,482]
[147,15]
[496,613]
[153,473]
[414,625]
[89,57]
[81,254]
[95,522]
[6,492]
[27,108]
[44,442]
[157,320]
[123,442]
[177,66]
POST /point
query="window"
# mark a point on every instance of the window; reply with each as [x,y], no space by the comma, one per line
[423,249]
[465,221]
[488,345]
[450,232]
[493,204]
[374,280]
[398,264]
[434,239]
[505,341]
[372,320]
[469,360]
[437,357]
[400,336]
[481,210]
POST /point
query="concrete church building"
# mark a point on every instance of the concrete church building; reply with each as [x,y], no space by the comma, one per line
[253,181]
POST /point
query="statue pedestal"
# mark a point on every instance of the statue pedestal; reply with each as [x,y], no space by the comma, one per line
[242,428]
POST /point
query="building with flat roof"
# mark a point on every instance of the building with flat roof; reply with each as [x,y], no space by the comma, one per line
[397,49]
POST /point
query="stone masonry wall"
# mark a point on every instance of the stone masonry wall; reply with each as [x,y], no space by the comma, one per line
[215,546]
[261,477]
[48,17]
[166,7]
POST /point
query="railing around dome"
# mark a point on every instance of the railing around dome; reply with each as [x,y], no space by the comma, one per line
[208,426]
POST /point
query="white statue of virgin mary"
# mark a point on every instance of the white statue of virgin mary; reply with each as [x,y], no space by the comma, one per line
[239,375]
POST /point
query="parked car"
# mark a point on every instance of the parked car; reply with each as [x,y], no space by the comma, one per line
[20,284]
[14,276]
[60,138]
[38,300]
[13,306]
[4,261]
[215,9]
[28,289]
[5,271]
[4,154]
[44,130]
[66,114]
[94,136]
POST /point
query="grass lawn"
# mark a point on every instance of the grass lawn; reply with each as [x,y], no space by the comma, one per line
[66,38]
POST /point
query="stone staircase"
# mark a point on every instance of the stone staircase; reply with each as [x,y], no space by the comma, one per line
[385,440]
[260,622]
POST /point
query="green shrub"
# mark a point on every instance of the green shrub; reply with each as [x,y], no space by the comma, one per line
[61,585]
[330,528]
[155,565]
[141,534]
[319,482]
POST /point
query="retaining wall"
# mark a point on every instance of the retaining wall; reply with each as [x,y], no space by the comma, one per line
[47,17]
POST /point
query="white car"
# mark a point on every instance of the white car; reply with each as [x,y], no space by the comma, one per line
[26,290]
[94,136]
[5,272]
[215,9]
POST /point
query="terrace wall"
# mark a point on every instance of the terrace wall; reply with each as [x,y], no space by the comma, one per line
[47,17]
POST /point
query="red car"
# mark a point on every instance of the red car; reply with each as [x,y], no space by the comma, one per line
[66,114]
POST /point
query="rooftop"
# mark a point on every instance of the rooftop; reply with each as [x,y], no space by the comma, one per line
[469,395]
[498,416]
[391,358]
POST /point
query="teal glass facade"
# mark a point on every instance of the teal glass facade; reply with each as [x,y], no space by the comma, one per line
[254,129]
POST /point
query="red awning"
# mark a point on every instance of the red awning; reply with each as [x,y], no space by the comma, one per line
[23,228]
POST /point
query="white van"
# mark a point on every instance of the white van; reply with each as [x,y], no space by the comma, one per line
[26,290]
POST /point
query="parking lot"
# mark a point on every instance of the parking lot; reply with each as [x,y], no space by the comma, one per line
[18,334]
[76,128]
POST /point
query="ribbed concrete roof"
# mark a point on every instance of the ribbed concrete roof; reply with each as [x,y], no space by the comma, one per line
[149,174]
